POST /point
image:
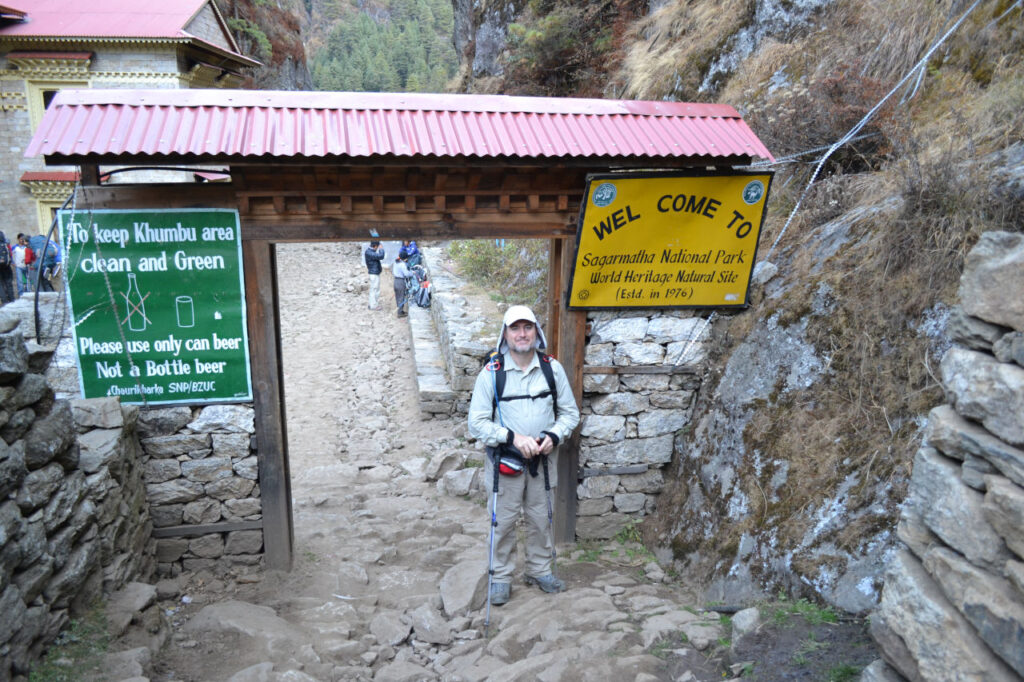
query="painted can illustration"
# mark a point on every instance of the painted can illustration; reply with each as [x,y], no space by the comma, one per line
[186,311]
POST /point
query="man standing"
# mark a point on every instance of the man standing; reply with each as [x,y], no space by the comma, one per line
[402,273]
[532,413]
[22,257]
[373,256]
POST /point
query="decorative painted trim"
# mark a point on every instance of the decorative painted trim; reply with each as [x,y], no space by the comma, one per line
[49,190]
[13,101]
[35,68]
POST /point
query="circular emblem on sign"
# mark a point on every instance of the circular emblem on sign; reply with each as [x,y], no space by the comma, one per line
[753,192]
[604,194]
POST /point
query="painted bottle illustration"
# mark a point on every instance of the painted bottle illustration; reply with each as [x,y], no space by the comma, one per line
[135,305]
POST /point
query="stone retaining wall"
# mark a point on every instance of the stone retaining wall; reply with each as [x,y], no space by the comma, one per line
[953,602]
[199,464]
[630,421]
[631,413]
[200,467]
[73,522]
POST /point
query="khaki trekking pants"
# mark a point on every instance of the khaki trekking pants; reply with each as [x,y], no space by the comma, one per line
[514,493]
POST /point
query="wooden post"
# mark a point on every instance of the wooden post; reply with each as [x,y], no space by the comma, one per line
[260,262]
[570,349]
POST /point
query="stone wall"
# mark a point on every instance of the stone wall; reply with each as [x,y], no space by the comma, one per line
[200,468]
[953,602]
[199,464]
[633,412]
[73,521]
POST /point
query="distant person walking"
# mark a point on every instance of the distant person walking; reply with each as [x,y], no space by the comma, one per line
[402,274]
[373,256]
[22,257]
[6,276]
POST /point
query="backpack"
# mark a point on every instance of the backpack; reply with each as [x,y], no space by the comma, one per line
[423,295]
[495,362]
[5,253]
[37,243]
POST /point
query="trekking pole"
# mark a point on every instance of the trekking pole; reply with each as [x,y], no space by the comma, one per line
[551,522]
[490,546]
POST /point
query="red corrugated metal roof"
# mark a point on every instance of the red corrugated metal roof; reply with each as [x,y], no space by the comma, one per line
[112,19]
[246,124]
[105,18]
[49,176]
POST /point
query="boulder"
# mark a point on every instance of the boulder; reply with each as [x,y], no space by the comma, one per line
[986,390]
[986,601]
[464,588]
[959,520]
[993,278]
[1004,509]
[428,625]
[922,634]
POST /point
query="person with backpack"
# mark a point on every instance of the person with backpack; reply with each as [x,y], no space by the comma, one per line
[412,252]
[402,273]
[522,408]
[22,257]
[6,280]
[374,255]
[45,256]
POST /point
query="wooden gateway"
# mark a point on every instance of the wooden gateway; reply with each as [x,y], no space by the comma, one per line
[314,166]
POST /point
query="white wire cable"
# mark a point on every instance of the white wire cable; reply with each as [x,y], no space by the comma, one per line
[867,117]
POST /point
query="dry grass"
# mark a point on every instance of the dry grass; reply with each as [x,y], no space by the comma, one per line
[671,48]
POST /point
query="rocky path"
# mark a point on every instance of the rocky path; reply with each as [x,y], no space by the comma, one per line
[389,574]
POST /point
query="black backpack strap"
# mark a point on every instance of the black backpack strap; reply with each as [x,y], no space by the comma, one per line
[495,362]
[549,374]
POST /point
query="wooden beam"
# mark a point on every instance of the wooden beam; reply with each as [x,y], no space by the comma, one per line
[571,347]
[89,175]
[404,226]
[260,266]
[183,195]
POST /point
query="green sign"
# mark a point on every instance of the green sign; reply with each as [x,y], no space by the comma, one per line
[157,304]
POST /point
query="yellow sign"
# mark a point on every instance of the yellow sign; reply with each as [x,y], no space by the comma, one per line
[666,240]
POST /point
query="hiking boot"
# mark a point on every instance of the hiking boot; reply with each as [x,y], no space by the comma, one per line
[548,583]
[500,593]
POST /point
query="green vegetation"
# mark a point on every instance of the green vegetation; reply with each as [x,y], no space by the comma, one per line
[782,611]
[77,650]
[516,269]
[407,48]
[253,38]
[629,533]
[844,672]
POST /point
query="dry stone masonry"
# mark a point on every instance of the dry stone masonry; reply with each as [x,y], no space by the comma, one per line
[74,523]
[199,464]
[200,468]
[953,602]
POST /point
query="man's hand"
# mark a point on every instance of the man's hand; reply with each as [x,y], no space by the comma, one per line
[529,447]
[546,445]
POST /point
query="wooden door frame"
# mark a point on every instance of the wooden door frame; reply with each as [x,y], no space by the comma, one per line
[305,204]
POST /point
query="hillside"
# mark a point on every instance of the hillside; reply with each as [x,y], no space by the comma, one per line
[809,419]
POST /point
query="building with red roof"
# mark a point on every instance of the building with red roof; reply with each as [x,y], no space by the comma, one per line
[50,45]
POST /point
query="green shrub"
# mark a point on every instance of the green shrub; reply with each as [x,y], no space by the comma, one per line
[514,270]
